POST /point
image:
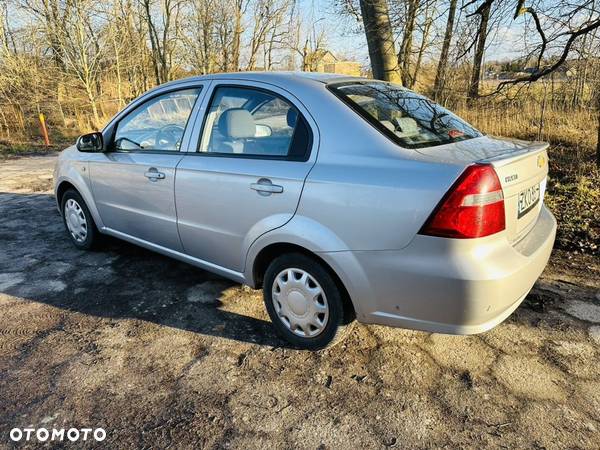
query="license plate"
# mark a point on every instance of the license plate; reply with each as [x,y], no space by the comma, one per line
[528,199]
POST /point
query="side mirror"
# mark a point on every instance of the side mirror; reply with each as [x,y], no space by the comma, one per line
[90,143]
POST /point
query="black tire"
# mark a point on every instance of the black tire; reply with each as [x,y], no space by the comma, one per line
[92,238]
[336,325]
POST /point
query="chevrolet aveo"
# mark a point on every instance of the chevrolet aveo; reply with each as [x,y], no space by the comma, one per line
[341,197]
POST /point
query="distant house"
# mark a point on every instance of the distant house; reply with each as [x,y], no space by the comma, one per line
[325,61]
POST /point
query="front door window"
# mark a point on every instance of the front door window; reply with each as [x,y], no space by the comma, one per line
[158,124]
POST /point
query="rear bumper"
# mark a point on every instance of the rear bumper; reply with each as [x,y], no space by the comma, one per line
[446,285]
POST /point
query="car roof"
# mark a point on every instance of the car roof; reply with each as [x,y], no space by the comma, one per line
[273,77]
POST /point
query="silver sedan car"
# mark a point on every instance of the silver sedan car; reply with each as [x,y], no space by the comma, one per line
[340,197]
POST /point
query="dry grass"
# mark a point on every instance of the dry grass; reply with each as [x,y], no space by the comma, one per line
[575,129]
[574,182]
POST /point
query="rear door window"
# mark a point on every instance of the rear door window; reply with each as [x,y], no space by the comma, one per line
[255,123]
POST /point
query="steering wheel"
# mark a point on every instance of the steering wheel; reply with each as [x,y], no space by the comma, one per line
[169,137]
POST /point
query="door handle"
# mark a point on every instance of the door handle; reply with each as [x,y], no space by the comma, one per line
[154,175]
[264,186]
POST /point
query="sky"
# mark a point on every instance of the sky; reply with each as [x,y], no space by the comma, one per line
[506,43]
[346,38]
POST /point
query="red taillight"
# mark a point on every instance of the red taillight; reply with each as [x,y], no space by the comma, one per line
[472,208]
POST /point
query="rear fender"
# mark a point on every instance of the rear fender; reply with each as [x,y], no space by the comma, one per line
[312,236]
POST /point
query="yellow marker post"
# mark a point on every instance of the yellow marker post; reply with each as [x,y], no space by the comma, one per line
[44,130]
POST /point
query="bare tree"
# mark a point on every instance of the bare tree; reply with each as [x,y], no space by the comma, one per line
[129,56]
[380,40]
[201,38]
[404,56]
[483,11]
[163,31]
[308,42]
[72,33]
[81,51]
[268,18]
[561,30]
[425,35]
[52,15]
[598,110]
[440,76]
[239,10]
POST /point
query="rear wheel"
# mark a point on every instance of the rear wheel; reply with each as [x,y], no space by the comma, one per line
[78,221]
[303,302]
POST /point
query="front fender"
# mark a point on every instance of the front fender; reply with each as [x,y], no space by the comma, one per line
[76,172]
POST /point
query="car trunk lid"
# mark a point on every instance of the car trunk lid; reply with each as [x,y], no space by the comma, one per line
[522,168]
[523,177]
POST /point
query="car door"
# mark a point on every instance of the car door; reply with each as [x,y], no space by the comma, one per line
[133,181]
[255,149]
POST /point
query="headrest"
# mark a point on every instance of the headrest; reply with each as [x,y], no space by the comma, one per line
[237,123]
[292,117]
[389,125]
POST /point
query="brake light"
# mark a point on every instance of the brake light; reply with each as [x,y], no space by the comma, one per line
[472,208]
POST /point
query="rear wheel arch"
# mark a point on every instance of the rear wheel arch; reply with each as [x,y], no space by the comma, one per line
[272,251]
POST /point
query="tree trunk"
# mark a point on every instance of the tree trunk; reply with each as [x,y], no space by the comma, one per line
[440,76]
[152,35]
[380,39]
[422,47]
[598,142]
[93,104]
[117,51]
[484,13]
[237,37]
[407,41]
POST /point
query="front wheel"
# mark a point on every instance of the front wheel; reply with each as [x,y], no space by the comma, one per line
[303,302]
[78,221]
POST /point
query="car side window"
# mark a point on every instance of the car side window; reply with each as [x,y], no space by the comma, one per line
[256,123]
[158,124]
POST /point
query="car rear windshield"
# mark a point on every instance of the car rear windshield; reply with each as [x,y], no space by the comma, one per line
[409,119]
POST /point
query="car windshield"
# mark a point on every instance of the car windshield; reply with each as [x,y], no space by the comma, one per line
[409,119]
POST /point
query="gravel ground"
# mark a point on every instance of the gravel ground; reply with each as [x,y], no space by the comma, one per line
[161,354]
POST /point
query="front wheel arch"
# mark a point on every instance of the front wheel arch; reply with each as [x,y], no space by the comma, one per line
[63,187]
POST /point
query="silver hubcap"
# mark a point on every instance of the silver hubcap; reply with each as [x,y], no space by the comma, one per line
[75,220]
[300,302]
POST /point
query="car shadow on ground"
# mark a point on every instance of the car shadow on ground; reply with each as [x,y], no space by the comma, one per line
[38,263]
[120,281]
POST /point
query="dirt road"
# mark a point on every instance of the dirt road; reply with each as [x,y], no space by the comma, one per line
[161,354]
